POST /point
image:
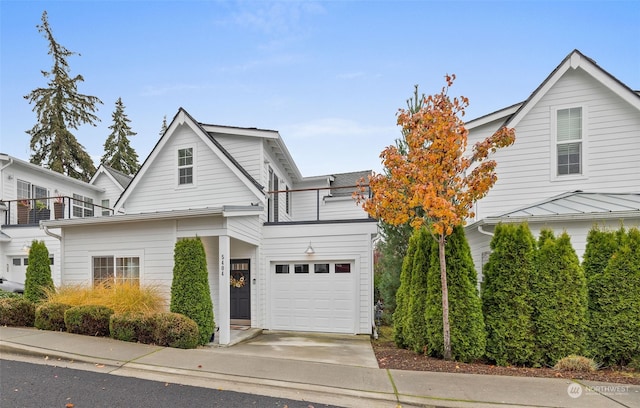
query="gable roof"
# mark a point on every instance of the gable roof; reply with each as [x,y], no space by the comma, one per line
[575,60]
[341,182]
[119,178]
[576,205]
[183,117]
[47,172]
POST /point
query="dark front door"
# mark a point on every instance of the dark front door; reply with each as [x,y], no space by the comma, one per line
[240,291]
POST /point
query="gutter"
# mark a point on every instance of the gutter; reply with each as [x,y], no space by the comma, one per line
[49,233]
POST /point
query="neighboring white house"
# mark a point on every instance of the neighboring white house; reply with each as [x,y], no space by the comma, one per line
[31,193]
[284,252]
[575,162]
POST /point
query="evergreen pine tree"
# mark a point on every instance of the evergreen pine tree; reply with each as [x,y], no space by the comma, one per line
[468,337]
[190,292]
[400,331]
[614,321]
[163,127]
[559,298]
[506,296]
[59,108]
[118,152]
[392,249]
[416,322]
[38,277]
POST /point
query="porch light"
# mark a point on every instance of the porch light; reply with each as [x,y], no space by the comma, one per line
[26,248]
[309,250]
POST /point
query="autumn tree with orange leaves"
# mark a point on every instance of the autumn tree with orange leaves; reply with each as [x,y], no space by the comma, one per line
[434,181]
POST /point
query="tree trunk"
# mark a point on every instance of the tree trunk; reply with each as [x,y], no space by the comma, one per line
[445,299]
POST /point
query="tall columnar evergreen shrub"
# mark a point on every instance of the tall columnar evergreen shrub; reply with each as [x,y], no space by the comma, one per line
[615,318]
[400,333]
[392,248]
[38,278]
[416,321]
[468,338]
[506,295]
[190,293]
[559,300]
[601,245]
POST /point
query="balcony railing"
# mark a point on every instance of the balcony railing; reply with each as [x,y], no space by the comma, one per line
[315,204]
[33,210]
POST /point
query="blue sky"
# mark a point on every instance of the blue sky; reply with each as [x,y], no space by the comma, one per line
[328,75]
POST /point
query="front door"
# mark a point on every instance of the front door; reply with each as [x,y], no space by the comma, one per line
[240,292]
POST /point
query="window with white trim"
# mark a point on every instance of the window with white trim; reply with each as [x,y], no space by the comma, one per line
[185,166]
[82,206]
[105,207]
[569,141]
[112,270]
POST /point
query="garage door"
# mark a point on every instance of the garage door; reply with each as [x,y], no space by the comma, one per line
[313,296]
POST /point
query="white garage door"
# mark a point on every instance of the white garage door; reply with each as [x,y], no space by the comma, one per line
[317,296]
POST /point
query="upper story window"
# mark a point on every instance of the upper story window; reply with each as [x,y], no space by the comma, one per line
[287,200]
[27,190]
[82,206]
[569,139]
[24,190]
[185,166]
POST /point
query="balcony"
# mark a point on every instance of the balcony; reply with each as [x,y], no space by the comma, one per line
[315,205]
[29,212]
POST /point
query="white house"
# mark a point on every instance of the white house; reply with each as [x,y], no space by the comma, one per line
[284,252]
[575,162]
[31,193]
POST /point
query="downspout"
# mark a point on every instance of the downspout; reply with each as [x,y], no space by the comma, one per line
[480,230]
[49,233]
[374,240]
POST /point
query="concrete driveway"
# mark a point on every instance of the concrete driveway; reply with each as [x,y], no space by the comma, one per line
[315,347]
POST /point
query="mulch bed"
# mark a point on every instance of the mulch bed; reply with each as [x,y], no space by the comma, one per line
[389,356]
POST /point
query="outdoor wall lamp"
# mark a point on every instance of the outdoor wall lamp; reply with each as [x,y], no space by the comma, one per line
[309,250]
[26,248]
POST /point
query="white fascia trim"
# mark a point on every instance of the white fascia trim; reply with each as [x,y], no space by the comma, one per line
[556,218]
[229,130]
[492,117]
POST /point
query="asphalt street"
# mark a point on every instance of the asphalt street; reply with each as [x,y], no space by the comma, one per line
[30,385]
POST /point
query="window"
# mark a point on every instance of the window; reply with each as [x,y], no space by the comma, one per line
[569,141]
[282,268]
[272,201]
[321,268]
[24,189]
[105,207]
[82,206]
[185,166]
[301,268]
[343,268]
[110,270]
[17,261]
[41,192]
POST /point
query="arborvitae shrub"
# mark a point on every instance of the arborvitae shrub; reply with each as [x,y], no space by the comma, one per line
[190,292]
[601,245]
[136,327]
[38,277]
[50,316]
[416,324]
[393,249]
[468,337]
[91,320]
[615,319]
[400,332]
[506,296]
[175,330]
[17,311]
[559,297]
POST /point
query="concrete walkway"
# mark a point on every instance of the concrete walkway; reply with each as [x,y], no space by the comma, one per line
[335,370]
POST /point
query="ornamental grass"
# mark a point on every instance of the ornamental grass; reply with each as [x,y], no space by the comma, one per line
[121,298]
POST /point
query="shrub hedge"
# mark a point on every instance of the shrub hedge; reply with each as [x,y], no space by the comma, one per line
[136,327]
[91,320]
[416,322]
[17,311]
[400,327]
[50,316]
[175,330]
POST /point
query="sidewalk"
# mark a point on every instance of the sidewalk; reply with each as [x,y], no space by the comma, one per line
[330,383]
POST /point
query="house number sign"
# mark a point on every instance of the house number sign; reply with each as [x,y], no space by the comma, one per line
[222,265]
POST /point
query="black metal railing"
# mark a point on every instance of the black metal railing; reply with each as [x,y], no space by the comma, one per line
[30,211]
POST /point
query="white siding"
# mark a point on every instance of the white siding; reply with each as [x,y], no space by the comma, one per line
[215,184]
[112,191]
[245,150]
[347,242]
[611,148]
